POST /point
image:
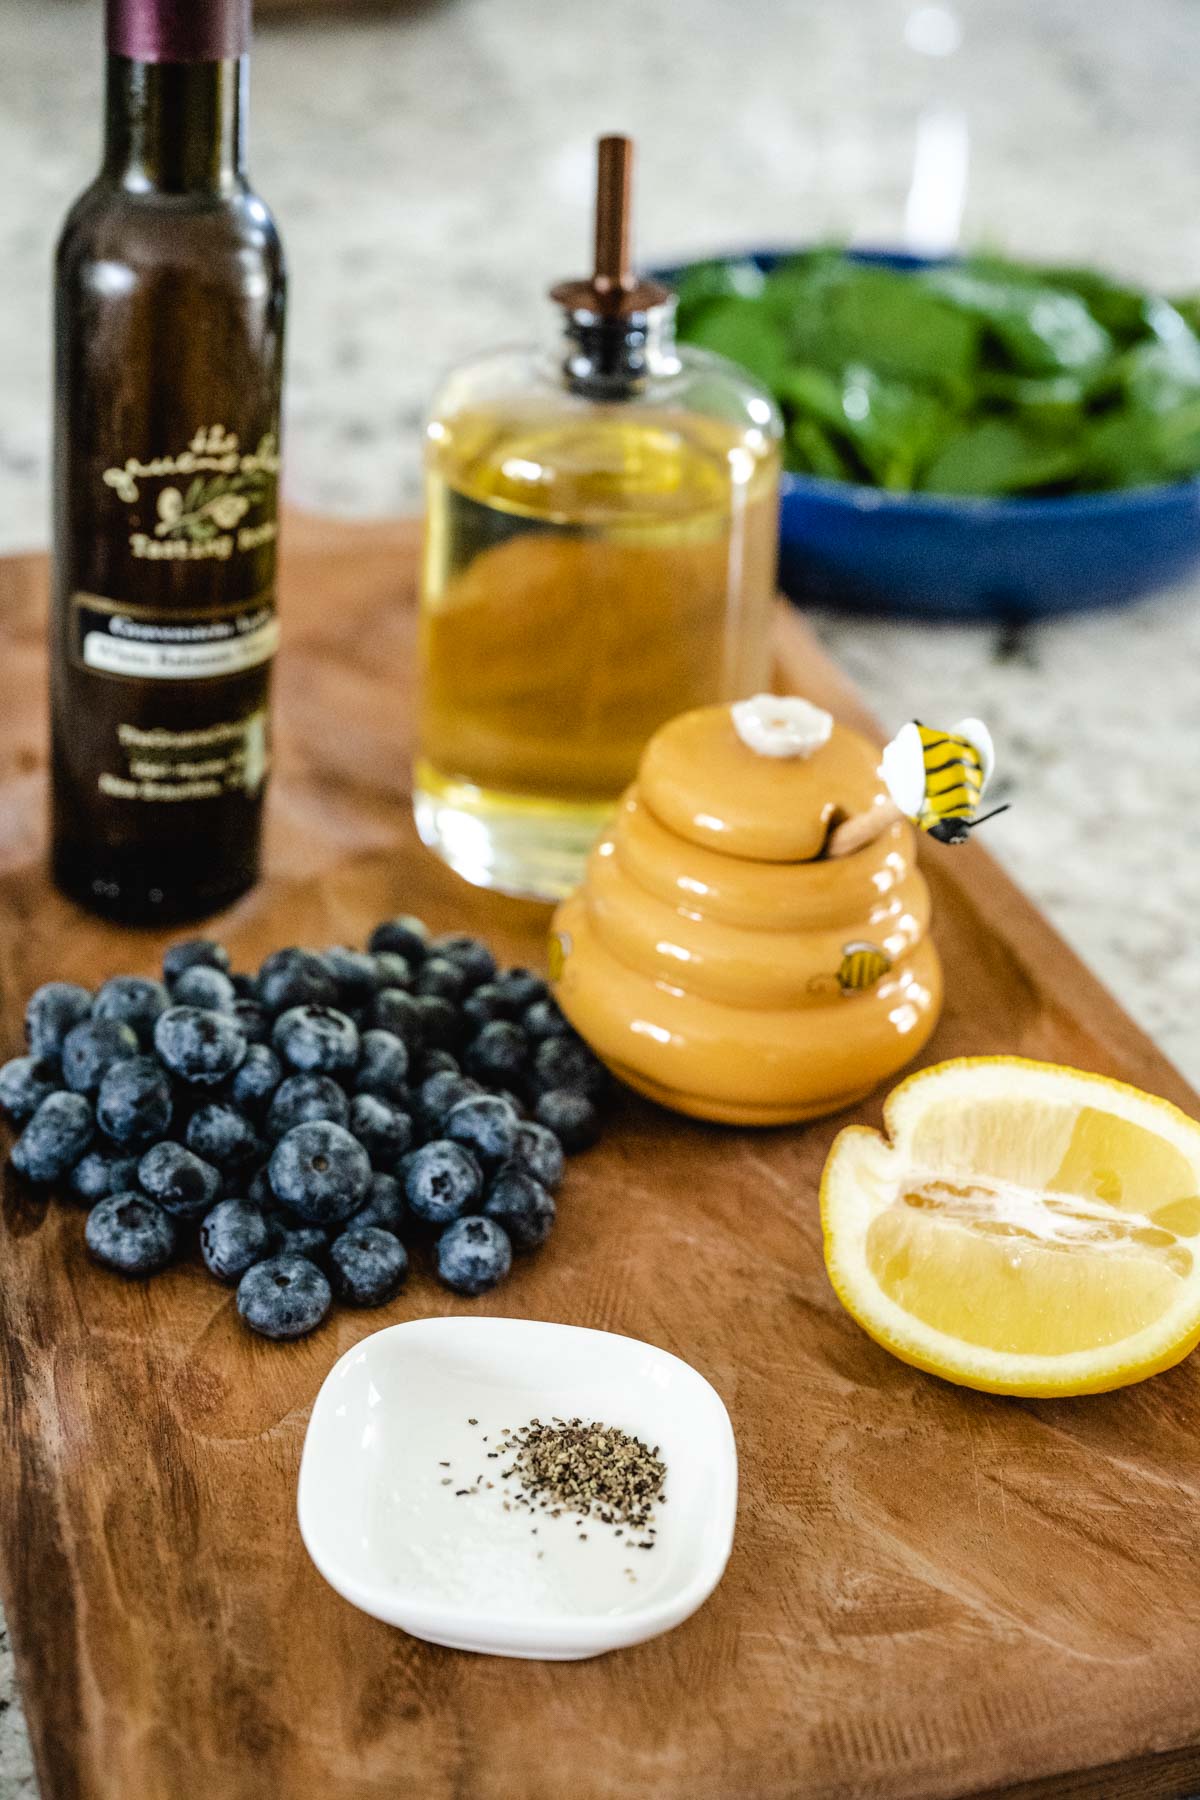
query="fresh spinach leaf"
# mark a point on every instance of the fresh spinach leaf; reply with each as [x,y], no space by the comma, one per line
[998,456]
[985,376]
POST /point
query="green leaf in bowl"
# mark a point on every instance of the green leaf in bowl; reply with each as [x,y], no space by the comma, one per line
[998,456]
[705,282]
[811,450]
[1043,331]
[742,330]
[1119,308]
[848,312]
[891,427]
[1048,403]
[1128,447]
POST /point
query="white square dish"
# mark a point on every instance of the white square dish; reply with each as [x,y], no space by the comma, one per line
[397,1513]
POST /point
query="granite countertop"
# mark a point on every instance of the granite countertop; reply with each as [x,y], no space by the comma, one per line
[431,175]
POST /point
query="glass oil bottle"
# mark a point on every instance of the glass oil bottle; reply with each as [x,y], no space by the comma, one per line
[599,555]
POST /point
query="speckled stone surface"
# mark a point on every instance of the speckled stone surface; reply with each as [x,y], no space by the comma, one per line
[431,171]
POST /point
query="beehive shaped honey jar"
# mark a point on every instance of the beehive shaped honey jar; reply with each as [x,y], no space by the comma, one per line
[717,957]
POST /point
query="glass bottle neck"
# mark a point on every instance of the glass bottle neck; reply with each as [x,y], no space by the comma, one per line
[175,128]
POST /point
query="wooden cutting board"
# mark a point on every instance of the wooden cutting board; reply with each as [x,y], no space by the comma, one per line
[932,1592]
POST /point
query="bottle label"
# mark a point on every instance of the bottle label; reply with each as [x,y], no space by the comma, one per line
[159,765]
[143,643]
[211,499]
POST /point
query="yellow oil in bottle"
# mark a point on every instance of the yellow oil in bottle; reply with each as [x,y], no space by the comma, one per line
[588,573]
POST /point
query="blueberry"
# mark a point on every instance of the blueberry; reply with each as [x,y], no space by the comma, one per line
[295,978]
[406,935]
[522,1205]
[53,1010]
[391,969]
[566,1062]
[396,1011]
[485,1125]
[441,1182]
[384,1204]
[544,1019]
[439,1023]
[440,1092]
[292,1237]
[356,973]
[367,1265]
[382,1065]
[55,1138]
[245,986]
[301,1099]
[571,1117]
[101,1173]
[92,1047]
[283,1297]
[521,988]
[514,1100]
[473,1255]
[317,1040]
[384,1132]
[223,1136]
[210,989]
[133,999]
[129,1233]
[442,979]
[253,1018]
[233,1237]
[178,1180]
[25,1082]
[194,953]
[198,1046]
[488,1002]
[257,1079]
[320,1172]
[539,1152]
[133,1105]
[471,955]
[258,1190]
[498,1054]
[437,1062]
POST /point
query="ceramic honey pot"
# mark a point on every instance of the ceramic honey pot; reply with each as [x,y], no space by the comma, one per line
[717,956]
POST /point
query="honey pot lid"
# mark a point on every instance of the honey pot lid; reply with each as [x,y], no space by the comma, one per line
[764,779]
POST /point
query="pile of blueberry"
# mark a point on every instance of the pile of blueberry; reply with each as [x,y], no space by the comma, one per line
[312,1120]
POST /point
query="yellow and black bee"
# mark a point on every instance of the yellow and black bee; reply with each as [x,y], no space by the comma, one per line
[558,950]
[937,778]
[862,965]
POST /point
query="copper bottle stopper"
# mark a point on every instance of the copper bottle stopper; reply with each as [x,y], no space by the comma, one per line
[613,290]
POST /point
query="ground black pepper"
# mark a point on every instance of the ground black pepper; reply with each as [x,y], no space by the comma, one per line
[586,1468]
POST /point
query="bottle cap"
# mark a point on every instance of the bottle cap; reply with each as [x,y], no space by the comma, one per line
[178,31]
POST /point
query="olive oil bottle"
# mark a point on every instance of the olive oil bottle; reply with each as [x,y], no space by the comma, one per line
[599,554]
[169,310]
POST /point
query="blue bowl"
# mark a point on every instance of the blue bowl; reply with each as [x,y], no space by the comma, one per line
[865,549]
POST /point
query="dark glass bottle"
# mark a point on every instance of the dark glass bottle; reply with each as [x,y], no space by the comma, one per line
[169,310]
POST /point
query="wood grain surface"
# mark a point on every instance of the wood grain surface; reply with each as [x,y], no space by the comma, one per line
[932,1592]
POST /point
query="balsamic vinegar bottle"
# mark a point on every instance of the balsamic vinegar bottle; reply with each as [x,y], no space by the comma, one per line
[169,309]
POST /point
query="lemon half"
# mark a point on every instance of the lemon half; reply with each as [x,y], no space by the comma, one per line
[1023,1228]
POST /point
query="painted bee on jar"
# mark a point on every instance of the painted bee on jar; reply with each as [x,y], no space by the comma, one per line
[937,778]
[862,965]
